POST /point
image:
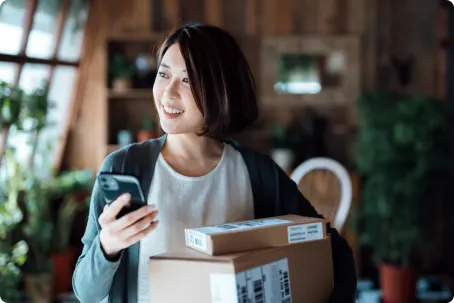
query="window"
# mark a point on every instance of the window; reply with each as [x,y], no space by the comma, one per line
[42,42]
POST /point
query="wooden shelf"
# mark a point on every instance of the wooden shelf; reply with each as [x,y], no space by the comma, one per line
[136,36]
[131,94]
[111,148]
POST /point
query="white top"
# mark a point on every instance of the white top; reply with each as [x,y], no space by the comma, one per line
[221,196]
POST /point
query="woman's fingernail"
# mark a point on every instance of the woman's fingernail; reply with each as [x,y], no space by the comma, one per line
[126,196]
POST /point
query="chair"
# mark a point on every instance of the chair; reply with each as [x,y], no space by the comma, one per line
[328,186]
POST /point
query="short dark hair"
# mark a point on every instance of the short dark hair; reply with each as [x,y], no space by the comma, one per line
[220,77]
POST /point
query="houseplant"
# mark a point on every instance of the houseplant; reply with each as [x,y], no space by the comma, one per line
[284,141]
[13,253]
[10,105]
[401,152]
[148,129]
[122,72]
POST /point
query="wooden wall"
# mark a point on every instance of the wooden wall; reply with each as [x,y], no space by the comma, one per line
[388,28]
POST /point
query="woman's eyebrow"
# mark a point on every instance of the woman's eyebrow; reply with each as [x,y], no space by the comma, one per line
[167,66]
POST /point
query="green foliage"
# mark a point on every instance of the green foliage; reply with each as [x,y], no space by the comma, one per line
[284,137]
[35,109]
[11,100]
[38,227]
[147,123]
[13,254]
[120,68]
[401,151]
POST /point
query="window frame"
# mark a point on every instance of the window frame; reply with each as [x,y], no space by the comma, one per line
[21,59]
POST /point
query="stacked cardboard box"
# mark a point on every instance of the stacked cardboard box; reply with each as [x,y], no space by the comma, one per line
[273,260]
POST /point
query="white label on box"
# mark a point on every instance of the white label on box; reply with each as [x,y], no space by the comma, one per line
[197,240]
[211,230]
[223,288]
[268,283]
[305,232]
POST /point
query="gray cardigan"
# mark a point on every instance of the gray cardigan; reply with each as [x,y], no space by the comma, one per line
[274,194]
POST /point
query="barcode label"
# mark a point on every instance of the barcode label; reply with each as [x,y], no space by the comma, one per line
[269,283]
[216,229]
[305,232]
[197,240]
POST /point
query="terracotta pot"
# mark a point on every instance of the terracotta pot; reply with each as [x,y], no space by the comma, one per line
[39,287]
[145,135]
[122,85]
[398,284]
[62,276]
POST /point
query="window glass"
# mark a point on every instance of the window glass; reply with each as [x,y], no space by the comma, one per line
[73,31]
[7,72]
[60,95]
[41,39]
[12,14]
[32,76]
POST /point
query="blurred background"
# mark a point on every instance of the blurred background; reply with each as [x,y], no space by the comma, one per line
[356,102]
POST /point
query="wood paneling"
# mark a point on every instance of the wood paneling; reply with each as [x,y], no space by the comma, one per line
[386,28]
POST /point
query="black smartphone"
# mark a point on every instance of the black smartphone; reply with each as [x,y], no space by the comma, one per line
[114,185]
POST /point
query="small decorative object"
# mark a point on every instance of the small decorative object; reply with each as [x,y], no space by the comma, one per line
[122,72]
[402,153]
[148,130]
[124,138]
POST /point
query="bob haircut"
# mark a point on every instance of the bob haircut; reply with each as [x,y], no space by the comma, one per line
[220,78]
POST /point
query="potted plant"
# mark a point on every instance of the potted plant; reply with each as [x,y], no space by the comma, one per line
[283,144]
[13,253]
[67,192]
[148,129]
[10,105]
[37,231]
[122,72]
[401,152]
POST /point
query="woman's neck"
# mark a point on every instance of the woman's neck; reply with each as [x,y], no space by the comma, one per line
[192,147]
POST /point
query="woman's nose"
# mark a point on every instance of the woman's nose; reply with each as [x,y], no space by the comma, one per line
[171,90]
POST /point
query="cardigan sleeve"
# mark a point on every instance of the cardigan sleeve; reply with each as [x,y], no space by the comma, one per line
[94,273]
[292,201]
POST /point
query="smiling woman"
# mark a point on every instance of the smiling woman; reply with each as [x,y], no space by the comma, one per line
[217,106]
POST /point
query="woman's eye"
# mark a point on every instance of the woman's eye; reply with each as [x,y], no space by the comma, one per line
[163,75]
[186,80]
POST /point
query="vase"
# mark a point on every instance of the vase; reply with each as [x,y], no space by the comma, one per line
[62,264]
[398,284]
[38,287]
[122,85]
[144,135]
[284,158]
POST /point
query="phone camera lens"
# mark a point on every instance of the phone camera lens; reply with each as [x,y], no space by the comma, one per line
[103,180]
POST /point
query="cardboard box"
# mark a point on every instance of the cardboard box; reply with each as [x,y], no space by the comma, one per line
[255,234]
[301,272]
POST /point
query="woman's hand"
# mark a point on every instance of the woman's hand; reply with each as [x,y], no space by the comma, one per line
[117,234]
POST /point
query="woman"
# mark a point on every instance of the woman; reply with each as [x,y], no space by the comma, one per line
[204,93]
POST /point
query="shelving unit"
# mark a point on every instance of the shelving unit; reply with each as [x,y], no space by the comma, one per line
[127,107]
[131,94]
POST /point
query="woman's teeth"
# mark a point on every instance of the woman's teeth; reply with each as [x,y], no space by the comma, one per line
[172,110]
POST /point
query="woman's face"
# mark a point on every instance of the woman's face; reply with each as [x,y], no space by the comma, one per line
[178,112]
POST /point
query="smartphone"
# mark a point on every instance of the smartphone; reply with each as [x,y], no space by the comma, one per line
[114,185]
